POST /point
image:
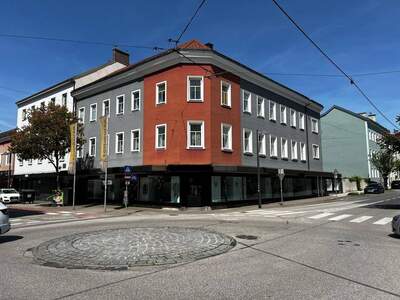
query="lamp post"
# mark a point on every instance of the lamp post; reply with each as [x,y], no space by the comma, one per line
[335,176]
[258,169]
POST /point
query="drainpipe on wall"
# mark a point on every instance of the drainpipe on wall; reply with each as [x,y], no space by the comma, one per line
[307,141]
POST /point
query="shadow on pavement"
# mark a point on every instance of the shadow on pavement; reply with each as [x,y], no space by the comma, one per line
[17,213]
[9,238]
[394,236]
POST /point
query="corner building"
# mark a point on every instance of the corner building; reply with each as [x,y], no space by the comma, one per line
[187,121]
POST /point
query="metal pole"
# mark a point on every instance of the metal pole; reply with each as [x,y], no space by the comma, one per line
[258,170]
[106,167]
[280,180]
[74,182]
[9,169]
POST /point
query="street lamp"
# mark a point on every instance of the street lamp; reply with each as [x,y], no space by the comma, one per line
[335,176]
[258,169]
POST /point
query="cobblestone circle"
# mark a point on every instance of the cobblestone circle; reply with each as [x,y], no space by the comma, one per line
[121,249]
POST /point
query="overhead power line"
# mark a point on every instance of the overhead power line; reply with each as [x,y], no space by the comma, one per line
[113,44]
[333,75]
[178,39]
[352,82]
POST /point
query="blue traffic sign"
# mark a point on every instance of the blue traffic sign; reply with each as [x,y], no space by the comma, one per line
[128,169]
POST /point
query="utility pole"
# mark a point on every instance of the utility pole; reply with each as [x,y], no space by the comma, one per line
[258,169]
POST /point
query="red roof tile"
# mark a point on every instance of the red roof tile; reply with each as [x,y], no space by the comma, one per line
[193,44]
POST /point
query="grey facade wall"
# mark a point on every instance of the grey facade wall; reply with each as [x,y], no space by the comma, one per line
[251,121]
[130,120]
[344,144]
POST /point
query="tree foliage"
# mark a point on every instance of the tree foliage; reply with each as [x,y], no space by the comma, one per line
[46,135]
[385,162]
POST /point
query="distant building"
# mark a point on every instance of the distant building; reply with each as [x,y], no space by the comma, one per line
[38,174]
[6,159]
[348,140]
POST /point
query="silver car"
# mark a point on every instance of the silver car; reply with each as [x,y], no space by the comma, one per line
[4,219]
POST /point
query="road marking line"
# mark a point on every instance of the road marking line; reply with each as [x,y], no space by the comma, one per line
[65,212]
[79,213]
[340,217]
[320,216]
[361,219]
[16,224]
[15,220]
[51,213]
[383,221]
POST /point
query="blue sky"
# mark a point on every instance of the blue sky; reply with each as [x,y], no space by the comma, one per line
[361,36]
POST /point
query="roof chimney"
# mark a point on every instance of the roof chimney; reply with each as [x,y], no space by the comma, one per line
[120,56]
[364,114]
[372,117]
[210,45]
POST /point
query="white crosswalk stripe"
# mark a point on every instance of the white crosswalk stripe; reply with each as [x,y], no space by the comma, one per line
[361,219]
[320,216]
[339,217]
[383,221]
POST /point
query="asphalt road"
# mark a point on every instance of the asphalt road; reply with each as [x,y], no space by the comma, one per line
[299,253]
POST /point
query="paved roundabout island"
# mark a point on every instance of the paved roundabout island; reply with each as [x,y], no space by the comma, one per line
[121,249]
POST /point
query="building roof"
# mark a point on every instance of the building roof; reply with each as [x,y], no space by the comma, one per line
[195,45]
[66,82]
[371,122]
[5,136]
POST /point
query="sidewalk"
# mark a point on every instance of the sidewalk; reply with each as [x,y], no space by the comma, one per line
[44,211]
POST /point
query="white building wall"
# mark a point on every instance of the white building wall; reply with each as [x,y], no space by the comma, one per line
[45,166]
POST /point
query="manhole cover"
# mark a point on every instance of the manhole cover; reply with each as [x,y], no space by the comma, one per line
[246,237]
[120,249]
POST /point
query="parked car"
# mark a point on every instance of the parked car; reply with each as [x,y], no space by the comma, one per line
[374,188]
[396,184]
[9,195]
[4,219]
[396,225]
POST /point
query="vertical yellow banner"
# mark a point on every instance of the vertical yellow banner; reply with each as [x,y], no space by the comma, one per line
[72,153]
[103,138]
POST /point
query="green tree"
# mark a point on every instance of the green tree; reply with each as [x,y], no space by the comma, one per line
[385,162]
[47,136]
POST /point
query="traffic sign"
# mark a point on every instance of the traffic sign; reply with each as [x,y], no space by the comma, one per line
[281,173]
[128,169]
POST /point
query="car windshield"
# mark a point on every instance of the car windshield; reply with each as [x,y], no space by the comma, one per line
[9,191]
[373,184]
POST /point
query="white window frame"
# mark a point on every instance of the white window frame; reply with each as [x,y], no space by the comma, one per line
[117,105]
[303,154]
[301,121]
[188,99]
[133,108]
[316,129]
[272,117]
[156,137]
[21,162]
[116,142]
[249,102]
[194,122]
[273,147]
[283,115]
[80,152]
[294,150]
[30,162]
[229,148]
[226,83]
[318,154]
[139,144]
[90,148]
[91,112]
[24,114]
[81,120]
[293,118]
[262,150]
[64,99]
[166,92]
[250,150]
[103,113]
[261,113]
[284,148]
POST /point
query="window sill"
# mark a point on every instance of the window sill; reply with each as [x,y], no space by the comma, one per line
[161,103]
[248,153]
[315,132]
[227,150]
[247,112]
[226,106]
[135,151]
[262,155]
[273,120]
[119,153]
[137,109]
[119,114]
[283,123]
[195,148]
[294,159]
[285,158]
[302,129]
[293,126]
[260,117]
[316,158]
[161,149]
[92,121]
[303,161]
[274,157]
[195,100]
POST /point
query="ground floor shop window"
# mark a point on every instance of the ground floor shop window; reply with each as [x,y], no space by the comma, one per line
[160,189]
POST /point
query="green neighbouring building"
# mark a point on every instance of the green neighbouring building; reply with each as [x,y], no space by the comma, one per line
[348,139]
